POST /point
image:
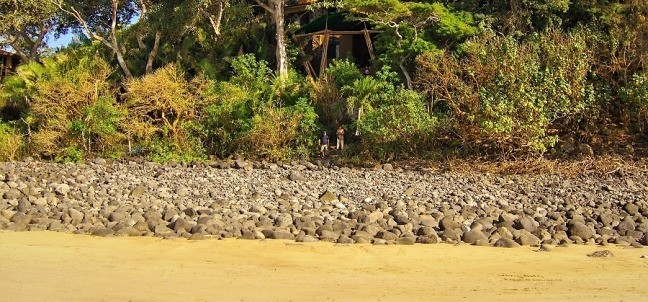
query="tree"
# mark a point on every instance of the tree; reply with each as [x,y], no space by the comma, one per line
[90,16]
[402,19]
[24,26]
[411,29]
[276,10]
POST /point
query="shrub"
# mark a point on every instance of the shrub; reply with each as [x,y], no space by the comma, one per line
[70,154]
[98,125]
[257,115]
[11,142]
[327,95]
[66,102]
[512,96]
[341,73]
[634,97]
[399,128]
[281,133]
[162,107]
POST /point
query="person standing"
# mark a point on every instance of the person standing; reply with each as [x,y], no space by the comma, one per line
[324,142]
[340,138]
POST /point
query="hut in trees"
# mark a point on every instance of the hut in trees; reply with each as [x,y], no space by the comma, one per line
[330,35]
[8,63]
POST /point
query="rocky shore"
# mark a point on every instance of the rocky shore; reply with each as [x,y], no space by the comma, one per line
[306,202]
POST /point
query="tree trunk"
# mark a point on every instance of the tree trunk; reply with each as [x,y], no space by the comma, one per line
[23,57]
[121,61]
[217,20]
[276,9]
[408,78]
[282,57]
[153,54]
[140,41]
[360,111]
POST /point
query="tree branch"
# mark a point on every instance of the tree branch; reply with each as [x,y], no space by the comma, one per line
[216,21]
[265,6]
[19,52]
[144,9]
[112,44]
[44,29]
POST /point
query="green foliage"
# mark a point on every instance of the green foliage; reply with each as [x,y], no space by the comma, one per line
[63,100]
[453,26]
[25,24]
[510,96]
[634,97]
[398,129]
[98,125]
[162,151]
[391,121]
[281,133]
[250,73]
[256,115]
[360,95]
[412,29]
[70,154]
[503,77]
[17,90]
[341,72]
[326,92]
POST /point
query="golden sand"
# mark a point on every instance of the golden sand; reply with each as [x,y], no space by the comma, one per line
[46,266]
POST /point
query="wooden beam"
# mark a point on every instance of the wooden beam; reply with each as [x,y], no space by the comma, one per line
[339,32]
[296,8]
[369,44]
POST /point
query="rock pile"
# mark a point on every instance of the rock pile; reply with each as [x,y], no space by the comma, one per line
[307,202]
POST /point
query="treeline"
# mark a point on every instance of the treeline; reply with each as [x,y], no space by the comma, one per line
[183,80]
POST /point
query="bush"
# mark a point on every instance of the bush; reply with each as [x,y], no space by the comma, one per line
[341,73]
[257,115]
[512,96]
[98,126]
[69,105]
[326,91]
[162,109]
[11,142]
[281,133]
[399,128]
[634,98]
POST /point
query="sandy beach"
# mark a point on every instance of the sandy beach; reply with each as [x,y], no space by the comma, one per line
[49,266]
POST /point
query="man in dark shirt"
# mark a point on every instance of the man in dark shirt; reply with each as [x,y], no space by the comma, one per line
[324,142]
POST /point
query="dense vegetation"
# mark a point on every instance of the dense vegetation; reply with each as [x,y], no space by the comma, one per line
[184,80]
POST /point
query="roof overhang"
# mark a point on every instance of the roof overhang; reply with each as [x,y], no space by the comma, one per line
[336,21]
[5,53]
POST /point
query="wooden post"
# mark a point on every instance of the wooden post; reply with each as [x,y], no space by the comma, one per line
[2,66]
[311,70]
[369,44]
[324,61]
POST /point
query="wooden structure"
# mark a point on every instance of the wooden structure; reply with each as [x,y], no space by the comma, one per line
[334,37]
[8,63]
[299,7]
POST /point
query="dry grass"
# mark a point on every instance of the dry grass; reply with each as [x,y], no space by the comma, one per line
[570,168]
